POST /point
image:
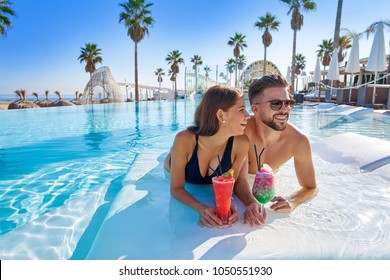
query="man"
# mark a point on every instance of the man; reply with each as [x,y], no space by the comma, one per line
[269,128]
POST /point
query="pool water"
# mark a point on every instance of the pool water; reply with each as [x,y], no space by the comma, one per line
[62,167]
[49,156]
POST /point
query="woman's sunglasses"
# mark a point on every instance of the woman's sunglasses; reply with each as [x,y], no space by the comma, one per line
[276,104]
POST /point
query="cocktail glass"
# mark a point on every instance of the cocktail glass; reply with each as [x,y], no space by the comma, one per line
[223,189]
[263,186]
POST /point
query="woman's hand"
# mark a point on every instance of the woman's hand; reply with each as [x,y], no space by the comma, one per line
[208,217]
[233,218]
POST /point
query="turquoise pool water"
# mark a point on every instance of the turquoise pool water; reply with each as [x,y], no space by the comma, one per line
[70,158]
[48,156]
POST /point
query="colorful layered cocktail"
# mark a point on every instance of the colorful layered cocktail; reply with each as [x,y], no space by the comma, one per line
[263,185]
[223,189]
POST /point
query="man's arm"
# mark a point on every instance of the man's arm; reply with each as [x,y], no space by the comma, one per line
[304,170]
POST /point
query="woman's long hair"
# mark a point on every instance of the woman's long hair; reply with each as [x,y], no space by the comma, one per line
[216,97]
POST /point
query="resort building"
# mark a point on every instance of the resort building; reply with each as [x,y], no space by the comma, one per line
[255,70]
[203,79]
[361,88]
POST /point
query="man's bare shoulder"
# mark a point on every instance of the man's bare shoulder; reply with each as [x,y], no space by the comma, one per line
[294,134]
[241,140]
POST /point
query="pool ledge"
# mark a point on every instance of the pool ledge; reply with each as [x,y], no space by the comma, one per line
[367,153]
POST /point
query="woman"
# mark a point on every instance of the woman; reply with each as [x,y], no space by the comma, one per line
[218,133]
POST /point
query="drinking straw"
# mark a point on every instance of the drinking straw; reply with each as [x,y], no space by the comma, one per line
[257,158]
[220,167]
[212,169]
[258,161]
[260,156]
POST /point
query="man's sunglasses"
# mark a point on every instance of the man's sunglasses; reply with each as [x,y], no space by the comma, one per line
[276,104]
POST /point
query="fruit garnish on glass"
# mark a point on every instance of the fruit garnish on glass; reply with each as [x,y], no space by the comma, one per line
[228,175]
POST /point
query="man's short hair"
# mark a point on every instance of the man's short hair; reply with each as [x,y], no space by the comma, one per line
[268,81]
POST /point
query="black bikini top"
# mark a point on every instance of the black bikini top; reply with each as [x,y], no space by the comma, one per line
[192,170]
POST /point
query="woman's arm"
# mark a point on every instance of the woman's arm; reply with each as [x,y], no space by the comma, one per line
[304,170]
[181,152]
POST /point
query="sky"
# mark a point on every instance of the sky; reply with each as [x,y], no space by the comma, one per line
[41,51]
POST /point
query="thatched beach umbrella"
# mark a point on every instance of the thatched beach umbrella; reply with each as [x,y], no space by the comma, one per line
[37,101]
[14,105]
[46,102]
[77,100]
[60,101]
[22,103]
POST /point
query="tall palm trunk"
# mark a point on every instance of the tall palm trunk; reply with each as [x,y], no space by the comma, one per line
[265,61]
[235,81]
[196,78]
[336,37]
[175,87]
[136,71]
[293,70]
[90,93]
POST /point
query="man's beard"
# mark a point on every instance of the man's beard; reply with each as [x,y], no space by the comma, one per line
[272,124]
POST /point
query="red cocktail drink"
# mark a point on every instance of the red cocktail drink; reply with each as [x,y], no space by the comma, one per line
[223,188]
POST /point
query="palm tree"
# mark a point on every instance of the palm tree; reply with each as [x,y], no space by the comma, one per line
[230,65]
[206,70]
[296,24]
[344,44]
[172,78]
[324,53]
[300,64]
[196,60]
[137,19]
[159,73]
[268,23]
[336,37]
[91,55]
[174,59]
[5,12]
[241,63]
[239,43]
